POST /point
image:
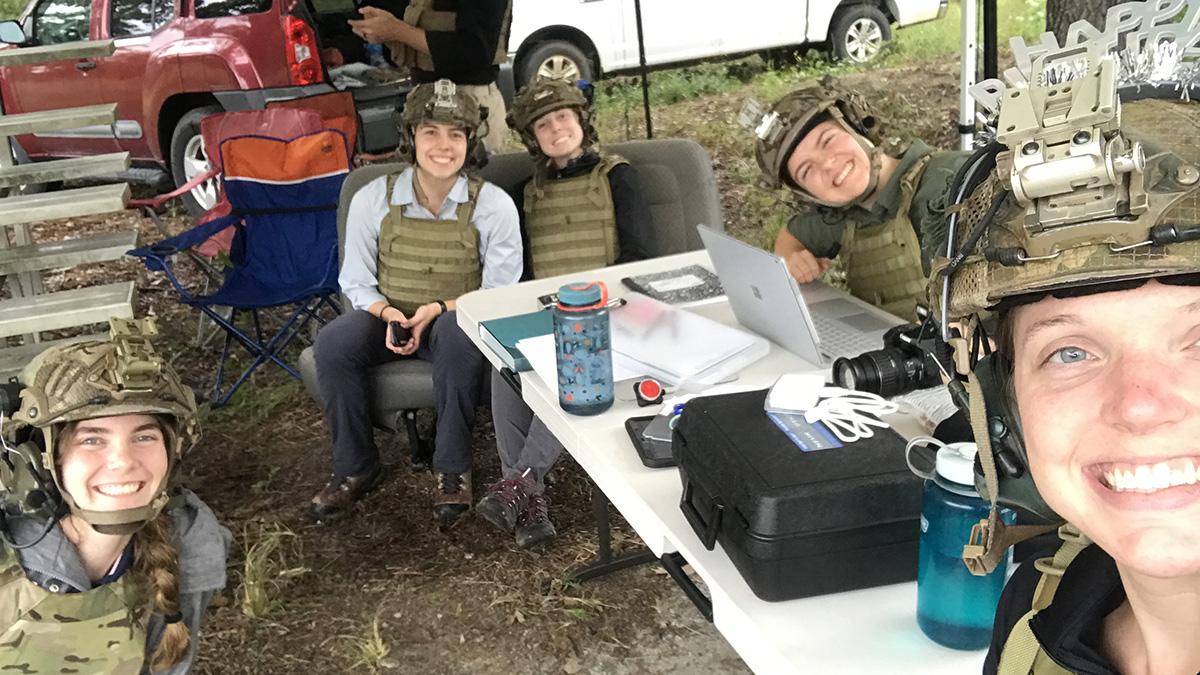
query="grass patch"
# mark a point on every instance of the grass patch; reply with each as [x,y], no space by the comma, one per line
[11,9]
[270,563]
[368,651]
[253,403]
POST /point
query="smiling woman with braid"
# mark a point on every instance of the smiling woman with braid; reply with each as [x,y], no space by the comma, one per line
[106,567]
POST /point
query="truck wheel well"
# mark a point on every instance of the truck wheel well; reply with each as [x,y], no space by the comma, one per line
[173,109]
[888,7]
[565,33]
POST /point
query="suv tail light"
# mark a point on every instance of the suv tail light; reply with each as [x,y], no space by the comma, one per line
[300,45]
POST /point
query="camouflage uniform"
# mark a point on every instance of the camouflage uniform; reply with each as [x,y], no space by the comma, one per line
[53,617]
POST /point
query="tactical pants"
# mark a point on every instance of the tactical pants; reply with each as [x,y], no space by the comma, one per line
[522,440]
[351,345]
[489,96]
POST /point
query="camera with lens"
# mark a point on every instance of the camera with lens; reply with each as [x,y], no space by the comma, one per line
[905,363]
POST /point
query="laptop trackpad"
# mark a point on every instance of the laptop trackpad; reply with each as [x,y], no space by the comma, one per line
[867,323]
[850,314]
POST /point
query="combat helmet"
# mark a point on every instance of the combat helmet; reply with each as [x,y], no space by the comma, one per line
[86,380]
[780,129]
[1091,184]
[443,102]
[545,95]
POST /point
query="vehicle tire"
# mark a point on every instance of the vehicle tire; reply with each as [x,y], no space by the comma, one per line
[189,159]
[556,59]
[858,33]
[19,157]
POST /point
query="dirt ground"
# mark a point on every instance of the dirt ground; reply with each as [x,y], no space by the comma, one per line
[386,591]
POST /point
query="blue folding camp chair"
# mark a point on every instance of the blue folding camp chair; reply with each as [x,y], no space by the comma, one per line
[284,194]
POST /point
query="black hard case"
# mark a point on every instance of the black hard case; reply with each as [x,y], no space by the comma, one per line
[796,524]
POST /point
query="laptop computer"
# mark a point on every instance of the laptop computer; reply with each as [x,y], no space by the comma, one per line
[819,323]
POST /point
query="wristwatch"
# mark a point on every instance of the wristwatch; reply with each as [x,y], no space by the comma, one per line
[442,304]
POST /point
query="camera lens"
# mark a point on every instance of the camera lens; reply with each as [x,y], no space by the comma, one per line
[880,372]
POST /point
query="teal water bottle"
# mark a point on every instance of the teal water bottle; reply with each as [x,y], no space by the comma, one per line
[954,608]
[583,348]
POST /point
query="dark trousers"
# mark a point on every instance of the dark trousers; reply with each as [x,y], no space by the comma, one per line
[351,345]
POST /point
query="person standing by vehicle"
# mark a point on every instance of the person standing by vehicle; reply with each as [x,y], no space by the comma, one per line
[463,41]
[107,565]
[878,211]
[581,210]
[414,242]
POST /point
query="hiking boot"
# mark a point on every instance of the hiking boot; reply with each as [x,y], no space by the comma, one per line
[504,502]
[452,497]
[533,525]
[339,494]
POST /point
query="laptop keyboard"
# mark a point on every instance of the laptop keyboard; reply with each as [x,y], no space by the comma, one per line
[838,340]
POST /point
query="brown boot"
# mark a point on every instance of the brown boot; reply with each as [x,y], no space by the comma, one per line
[339,494]
[452,497]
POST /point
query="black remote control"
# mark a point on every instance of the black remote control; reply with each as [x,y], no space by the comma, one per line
[400,334]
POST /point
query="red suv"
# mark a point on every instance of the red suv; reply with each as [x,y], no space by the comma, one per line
[179,60]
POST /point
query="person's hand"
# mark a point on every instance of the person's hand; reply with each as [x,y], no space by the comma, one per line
[378,26]
[417,323]
[388,315]
[805,266]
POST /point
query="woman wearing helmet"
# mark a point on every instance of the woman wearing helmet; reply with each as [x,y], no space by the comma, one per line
[879,212]
[415,241]
[581,210]
[1076,248]
[107,565]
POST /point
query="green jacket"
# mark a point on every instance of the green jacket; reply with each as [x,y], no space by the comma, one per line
[821,229]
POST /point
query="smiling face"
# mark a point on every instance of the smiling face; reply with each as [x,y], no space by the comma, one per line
[830,164]
[441,149]
[1108,388]
[559,135]
[113,463]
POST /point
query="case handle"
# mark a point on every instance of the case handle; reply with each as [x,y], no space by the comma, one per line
[709,529]
[673,563]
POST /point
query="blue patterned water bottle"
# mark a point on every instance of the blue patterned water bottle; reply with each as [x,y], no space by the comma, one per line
[583,347]
[954,607]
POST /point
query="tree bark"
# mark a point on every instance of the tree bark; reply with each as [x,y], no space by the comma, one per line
[1060,14]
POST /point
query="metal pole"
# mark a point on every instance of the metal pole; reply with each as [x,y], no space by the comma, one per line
[637,12]
[966,76]
[989,39]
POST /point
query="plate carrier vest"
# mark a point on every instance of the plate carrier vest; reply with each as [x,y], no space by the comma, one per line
[98,631]
[571,222]
[421,14]
[422,259]
[883,262]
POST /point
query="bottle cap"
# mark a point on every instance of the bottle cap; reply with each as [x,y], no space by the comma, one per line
[584,294]
[956,463]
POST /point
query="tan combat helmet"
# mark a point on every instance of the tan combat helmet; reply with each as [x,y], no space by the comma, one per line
[780,129]
[86,380]
[444,103]
[544,96]
[1093,184]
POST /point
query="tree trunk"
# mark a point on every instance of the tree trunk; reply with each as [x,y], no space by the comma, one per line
[1060,14]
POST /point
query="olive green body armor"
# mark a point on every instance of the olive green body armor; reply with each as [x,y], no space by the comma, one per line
[421,14]
[100,631]
[883,262]
[422,259]
[571,222]
[1023,654]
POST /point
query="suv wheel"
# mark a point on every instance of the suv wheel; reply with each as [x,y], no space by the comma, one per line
[189,159]
[556,59]
[858,33]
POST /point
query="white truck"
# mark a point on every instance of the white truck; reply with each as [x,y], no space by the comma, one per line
[586,39]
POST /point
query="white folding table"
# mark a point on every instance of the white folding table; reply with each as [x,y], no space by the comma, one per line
[865,631]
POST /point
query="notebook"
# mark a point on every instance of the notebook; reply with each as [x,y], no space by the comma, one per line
[502,335]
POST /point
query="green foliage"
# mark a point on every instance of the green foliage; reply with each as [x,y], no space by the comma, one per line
[270,562]
[253,403]
[11,9]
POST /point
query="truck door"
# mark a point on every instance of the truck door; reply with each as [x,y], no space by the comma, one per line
[141,72]
[751,25]
[57,84]
[674,31]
